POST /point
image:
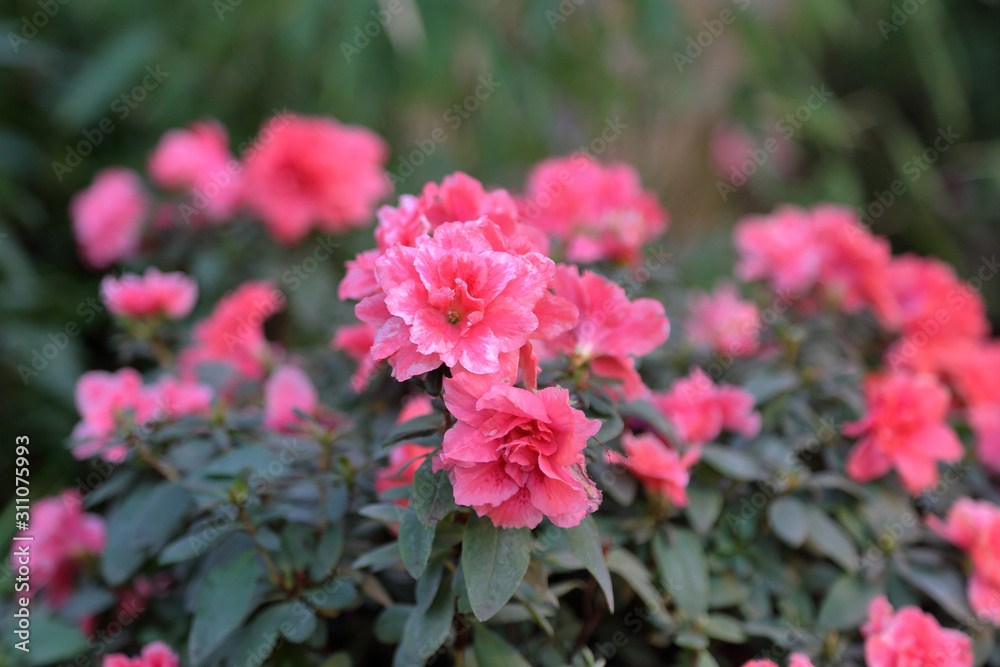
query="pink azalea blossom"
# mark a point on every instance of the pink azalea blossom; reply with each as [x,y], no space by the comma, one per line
[286,392]
[103,399]
[701,409]
[598,211]
[912,638]
[156,654]
[305,172]
[63,537]
[517,455]
[405,458]
[172,398]
[233,334]
[974,369]
[154,294]
[612,330]
[356,341]
[197,160]
[974,527]
[661,468]
[724,323]
[905,429]
[779,248]
[462,298]
[108,217]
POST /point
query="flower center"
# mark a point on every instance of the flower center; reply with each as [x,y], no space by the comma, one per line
[453,317]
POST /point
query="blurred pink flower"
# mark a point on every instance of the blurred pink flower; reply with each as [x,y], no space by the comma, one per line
[612,331]
[598,211]
[102,399]
[796,660]
[405,458]
[974,369]
[305,172]
[286,392]
[701,409]
[356,341]
[108,217]
[153,294]
[156,654]
[517,455]
[912,638]
[172,398]
[974,527]
[724,323]
[197,160]
[64,536]
[904,428]
[661,468]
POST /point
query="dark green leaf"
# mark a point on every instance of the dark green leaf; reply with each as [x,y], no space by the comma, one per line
[611,428]
[391,621]
[586,543]
[629,568]
[683,570]
[331,546]
[731,462]
[493,651]
[703,508]
[494,561]
[787,518]
[766,385]
[224,601]
[845,606]
[425,631]
[827,537]
[379,558]
[725,628]
[415,540]
[943,586]
[417,427]
[432,494]
[54,640]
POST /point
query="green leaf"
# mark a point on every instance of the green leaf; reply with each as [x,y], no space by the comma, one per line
[418,427]
[731,462]
[331,546]
[333,595]
[55,640]
[765,386]
[415,540]
[493,651]
[683,570]
[943,586]
[494,561]
[611,428]
[846,605]
[787,518]
[426,630]
[629,568]
[725,628]
[223,603]
[705,659]
[703,508]
[141,526]
[586,543]
[432,496]
[827,537]
[391,622]
[379,558]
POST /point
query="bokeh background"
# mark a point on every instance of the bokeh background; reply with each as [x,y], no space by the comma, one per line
[851,92]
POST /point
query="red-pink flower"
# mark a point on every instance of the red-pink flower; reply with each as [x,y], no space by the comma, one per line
[779,248]
[517,455]
[287,392]
[156,654]
[701,409]
[173,398]
[661,468]
[911,638]
[305,172]
[233,334]
[154,294]
[904,429]
[796,660]
[405,458]
[724,323]
[108,217]
[356,341]
[63,537]
[974,527]
[612,330]
[103,400]
[975,371]
[598,211]
[197,160]
[462,297]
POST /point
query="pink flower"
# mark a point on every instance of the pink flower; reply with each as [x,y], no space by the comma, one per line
[598,211]
[516,455]
[197,160]
[905,429]
[64,536]
[660,468]
[724,323]
[975,371]
[103,399]
[108,217]
[462,297]
[779,248]
[939,315]
[731,146]
[974,527]
[172,398]
[405,458]
[356,341]
[287,392]
[612,331]
[233,334]
[459,198]
[156,654]
[911,638]
[154,294]
[796,660]
[306,172]
[700,409]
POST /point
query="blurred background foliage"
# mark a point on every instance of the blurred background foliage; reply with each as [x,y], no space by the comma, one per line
[551,75]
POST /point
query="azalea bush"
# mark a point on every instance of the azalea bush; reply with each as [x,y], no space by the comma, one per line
[524,441]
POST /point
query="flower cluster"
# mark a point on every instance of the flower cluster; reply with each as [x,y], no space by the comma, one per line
[911,637]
